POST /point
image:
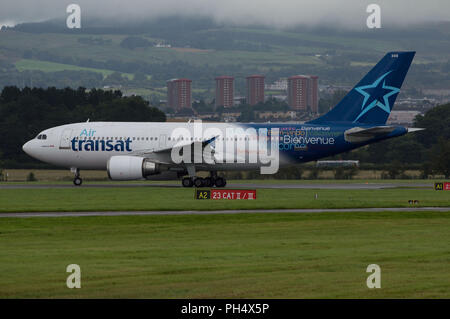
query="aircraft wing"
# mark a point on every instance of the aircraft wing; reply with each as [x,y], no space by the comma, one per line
[361,134]
[163,155]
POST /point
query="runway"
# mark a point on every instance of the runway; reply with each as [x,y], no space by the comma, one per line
[213,212]
[87,184]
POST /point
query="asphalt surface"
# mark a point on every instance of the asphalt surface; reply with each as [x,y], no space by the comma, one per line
[210,212]
[230,185]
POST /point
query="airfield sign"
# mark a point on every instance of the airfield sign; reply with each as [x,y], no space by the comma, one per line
[217,194]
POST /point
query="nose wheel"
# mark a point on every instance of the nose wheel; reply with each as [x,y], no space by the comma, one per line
[77,181]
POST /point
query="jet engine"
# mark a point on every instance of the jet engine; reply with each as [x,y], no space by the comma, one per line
[131,168]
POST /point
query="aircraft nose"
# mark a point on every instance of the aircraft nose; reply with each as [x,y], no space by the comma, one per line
[27,147]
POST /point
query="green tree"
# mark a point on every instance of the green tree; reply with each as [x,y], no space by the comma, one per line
[441,160]
[395,169]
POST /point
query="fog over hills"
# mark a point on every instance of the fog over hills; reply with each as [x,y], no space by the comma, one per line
[284,13]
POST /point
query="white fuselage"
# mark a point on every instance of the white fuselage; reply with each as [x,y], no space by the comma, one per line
[90,145]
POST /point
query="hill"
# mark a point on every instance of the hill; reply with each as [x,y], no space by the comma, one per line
[201,49]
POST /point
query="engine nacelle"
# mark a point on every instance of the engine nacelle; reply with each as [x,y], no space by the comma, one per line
[125,168]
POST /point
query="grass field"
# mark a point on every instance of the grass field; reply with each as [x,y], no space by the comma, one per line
[68,45]
[159,198]
[228,256]
[44,66]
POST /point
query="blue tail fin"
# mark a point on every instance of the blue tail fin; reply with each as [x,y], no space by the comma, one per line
[372,99]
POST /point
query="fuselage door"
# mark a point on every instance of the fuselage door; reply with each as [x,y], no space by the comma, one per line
[162,141]
[64,144]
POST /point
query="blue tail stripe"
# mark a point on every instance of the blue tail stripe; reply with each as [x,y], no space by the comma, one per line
[372,99]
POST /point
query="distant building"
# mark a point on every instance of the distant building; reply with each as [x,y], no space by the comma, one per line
[239,100]
[313,94]
[280,85]
[289,115]
[303,93]
[179,94]
[331,89]
[280,97]
[162,45]
[297,92]
[402,117]
[255,89]
[224,91]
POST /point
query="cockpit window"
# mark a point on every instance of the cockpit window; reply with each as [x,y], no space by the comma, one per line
[42,137]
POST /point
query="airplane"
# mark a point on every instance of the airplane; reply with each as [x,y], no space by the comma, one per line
[142,150]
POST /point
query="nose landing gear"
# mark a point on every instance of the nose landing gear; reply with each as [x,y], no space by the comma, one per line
[77,181]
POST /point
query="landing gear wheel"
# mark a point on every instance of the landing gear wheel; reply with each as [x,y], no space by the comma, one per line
[209,182]
[187,182]
[77,181]
[199,182]
[220,182]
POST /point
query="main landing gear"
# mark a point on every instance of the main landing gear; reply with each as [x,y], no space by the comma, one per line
[77,181]
[210,181]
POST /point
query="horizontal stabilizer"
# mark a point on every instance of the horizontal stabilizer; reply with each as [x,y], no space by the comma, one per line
[415,129]
[360,134]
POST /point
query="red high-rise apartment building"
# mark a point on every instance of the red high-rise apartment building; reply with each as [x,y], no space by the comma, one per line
[255,89]
[179,93]
[303,93]
[313,94]
[297,92]
[224,91]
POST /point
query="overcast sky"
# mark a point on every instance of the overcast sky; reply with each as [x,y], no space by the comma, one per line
[281,13]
